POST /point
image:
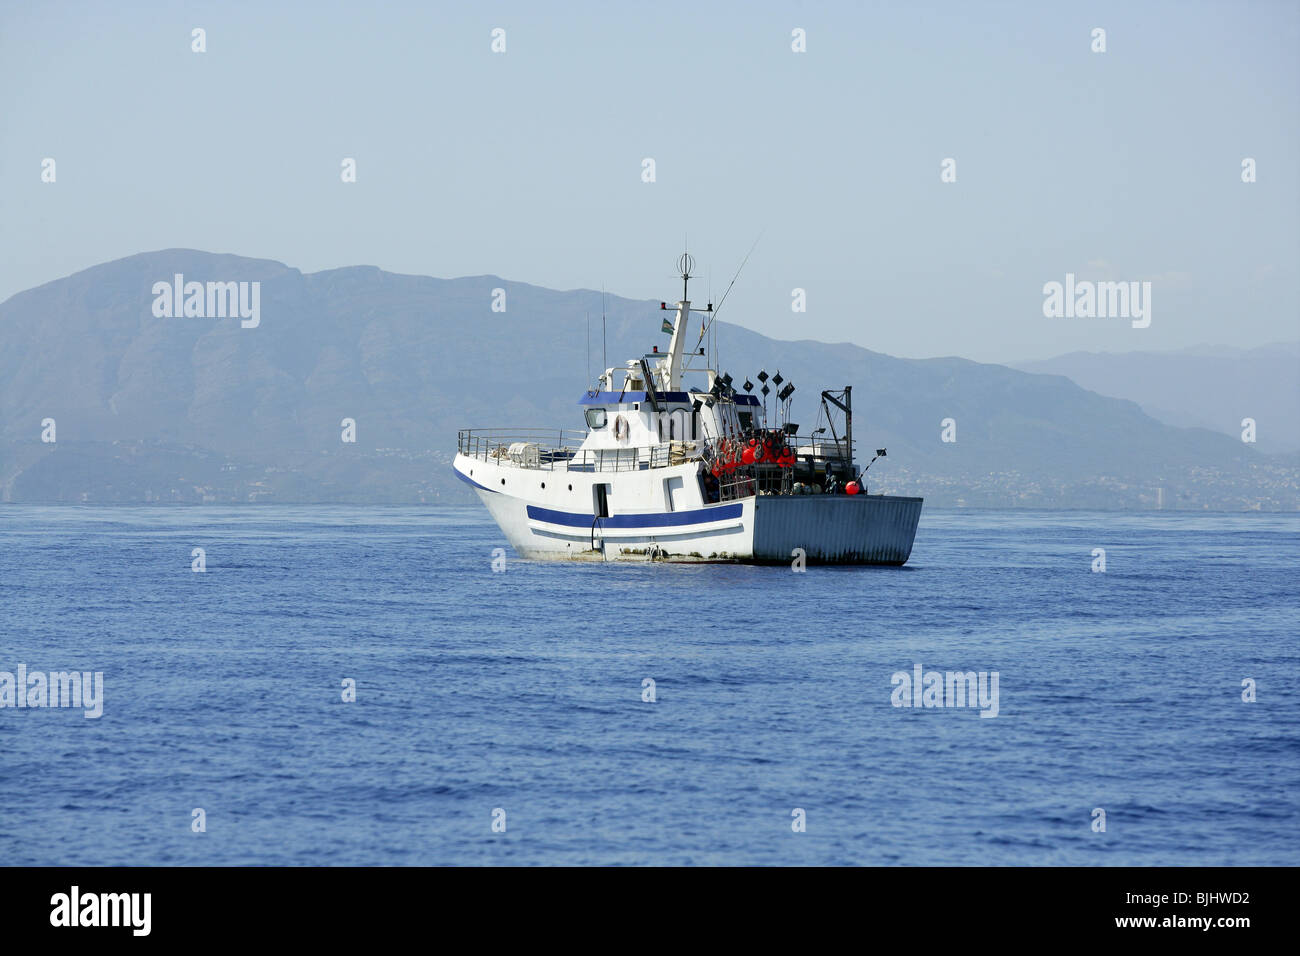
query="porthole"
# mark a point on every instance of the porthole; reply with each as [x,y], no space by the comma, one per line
[503,481]
[543,485]
[570,487]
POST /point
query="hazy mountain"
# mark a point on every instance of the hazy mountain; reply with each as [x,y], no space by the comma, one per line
[194,409]
[1205,386]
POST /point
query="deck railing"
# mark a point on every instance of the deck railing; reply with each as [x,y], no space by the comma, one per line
[555,449]
[552,449]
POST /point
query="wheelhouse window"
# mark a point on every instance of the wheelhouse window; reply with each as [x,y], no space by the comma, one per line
[595,418]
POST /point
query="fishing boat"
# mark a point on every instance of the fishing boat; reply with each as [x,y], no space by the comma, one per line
[679,464]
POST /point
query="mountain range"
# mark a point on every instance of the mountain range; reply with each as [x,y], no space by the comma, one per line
[148,407]
[1213,387]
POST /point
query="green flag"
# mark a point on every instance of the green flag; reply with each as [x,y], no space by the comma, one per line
[668,326]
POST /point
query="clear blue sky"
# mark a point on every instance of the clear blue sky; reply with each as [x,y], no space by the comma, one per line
[1123,165]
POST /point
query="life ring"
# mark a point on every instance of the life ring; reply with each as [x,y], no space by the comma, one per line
[620,428]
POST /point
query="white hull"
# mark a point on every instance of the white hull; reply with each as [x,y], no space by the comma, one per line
[660,514]
[554,522]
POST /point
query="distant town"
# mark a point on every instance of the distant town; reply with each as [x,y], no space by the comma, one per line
[150,472]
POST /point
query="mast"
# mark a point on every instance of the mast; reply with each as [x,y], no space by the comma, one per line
[848,421]
[672,365]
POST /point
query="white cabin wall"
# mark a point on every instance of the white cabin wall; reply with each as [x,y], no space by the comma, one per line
[643,426]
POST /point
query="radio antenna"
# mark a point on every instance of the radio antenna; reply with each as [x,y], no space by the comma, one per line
[709,324]
[706,345]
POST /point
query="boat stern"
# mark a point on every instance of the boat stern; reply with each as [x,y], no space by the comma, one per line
[836,529]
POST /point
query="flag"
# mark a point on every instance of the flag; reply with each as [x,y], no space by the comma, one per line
[668,326]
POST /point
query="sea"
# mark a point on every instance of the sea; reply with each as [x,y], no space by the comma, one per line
[383,686]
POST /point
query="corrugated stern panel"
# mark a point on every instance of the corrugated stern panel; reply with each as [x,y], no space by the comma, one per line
[849,529]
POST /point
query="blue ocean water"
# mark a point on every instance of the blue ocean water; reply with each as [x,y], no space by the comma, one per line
[522,690]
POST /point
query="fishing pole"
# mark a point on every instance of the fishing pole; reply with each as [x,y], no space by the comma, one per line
[706,326]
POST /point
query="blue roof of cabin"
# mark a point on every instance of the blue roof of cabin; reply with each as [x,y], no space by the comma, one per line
[615,398]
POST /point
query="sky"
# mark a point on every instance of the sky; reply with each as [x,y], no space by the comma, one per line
[1122,165]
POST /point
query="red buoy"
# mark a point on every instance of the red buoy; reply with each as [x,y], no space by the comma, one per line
[747,456]
[851,488]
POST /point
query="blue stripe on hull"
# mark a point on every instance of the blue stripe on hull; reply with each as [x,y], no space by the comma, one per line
[470,481]
[665,520]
